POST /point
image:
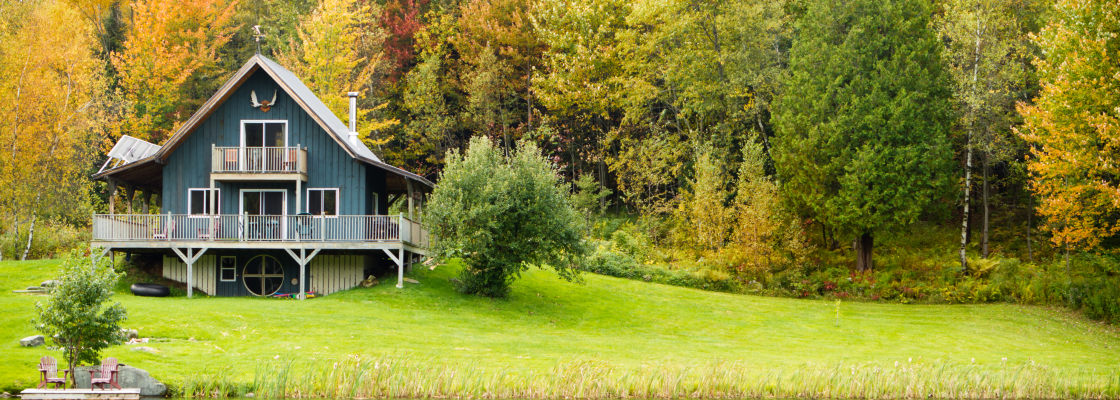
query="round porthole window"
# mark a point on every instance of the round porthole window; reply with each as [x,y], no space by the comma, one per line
[263,275]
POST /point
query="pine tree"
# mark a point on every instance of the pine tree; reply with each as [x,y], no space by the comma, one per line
[862,130]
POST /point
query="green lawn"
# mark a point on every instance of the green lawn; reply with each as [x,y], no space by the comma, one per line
[547,321]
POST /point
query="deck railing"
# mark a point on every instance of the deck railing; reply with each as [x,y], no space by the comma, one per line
[261,160]
[258,228]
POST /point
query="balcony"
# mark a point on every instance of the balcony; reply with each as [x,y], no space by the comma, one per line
[353,232]
[259,163]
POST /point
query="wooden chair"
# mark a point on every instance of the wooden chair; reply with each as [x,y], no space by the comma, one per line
[48,373]
[204,233]
[108,374]
[166,232]
[290,162]
[231,160]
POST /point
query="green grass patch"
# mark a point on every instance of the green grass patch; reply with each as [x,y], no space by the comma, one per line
[607,337]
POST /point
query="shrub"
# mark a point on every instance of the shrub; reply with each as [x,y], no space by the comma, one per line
[502,214]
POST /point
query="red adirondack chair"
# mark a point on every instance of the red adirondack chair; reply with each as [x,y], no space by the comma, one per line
[48,373]
[164,233]
[108,374]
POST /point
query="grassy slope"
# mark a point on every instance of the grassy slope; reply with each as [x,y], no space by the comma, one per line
[547,320]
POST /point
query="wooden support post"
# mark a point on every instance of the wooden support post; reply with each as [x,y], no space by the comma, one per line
[303,259]
[146,194]
[129,194]
[409,183]
[399,260]
[112,196]
[213,209]
[299,197]
[189,259]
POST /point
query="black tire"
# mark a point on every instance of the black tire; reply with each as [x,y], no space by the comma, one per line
[150,290]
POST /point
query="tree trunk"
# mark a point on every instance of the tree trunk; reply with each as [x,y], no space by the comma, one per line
[30,235]
[984,229]
[602,181]
[863,252]
[967,196]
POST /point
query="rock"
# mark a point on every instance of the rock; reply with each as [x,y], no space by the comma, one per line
[32,341]
[410,280]
[370,282]
[146,349]
[5,395]
[250,395]
[49,283]
[129,334]
[35,288]
[128,377]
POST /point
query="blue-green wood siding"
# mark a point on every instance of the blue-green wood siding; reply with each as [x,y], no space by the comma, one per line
[328,164]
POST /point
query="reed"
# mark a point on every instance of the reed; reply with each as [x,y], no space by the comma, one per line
[393,376]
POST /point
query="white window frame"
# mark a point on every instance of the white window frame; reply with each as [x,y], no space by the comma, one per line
[264,121]
[337,202]
[217,197]
[241,199]
[221,268]
[284,209]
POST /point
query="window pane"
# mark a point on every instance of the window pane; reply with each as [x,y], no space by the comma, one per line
[273,203]
[198,202]
[252,202]
[227,274]
[315,202]
[274,135]
[254,135]
[330,204]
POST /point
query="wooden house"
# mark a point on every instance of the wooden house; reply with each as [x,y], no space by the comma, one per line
[265,191]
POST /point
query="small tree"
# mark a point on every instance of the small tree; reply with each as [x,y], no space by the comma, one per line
[502,214]
[74,316]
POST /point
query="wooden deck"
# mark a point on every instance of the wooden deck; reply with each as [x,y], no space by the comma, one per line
[80,394]
[344,232]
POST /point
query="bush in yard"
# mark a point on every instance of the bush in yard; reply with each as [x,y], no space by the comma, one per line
[501,214]
[75,316]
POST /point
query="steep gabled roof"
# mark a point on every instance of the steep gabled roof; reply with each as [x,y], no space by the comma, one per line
[302,95]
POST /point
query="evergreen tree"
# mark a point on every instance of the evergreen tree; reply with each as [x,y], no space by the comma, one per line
[862,130]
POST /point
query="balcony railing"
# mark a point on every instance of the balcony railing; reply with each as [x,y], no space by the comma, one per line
[261,160]
[258,228]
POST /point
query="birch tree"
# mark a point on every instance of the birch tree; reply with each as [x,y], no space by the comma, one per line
[985,44]
[50,82]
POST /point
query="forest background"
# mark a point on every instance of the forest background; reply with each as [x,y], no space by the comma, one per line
[901,150]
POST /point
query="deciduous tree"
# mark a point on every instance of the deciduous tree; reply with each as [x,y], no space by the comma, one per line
[76,317]
[1073,126]
[985,47]
[502,214]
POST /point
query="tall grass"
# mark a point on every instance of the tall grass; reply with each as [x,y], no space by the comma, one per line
[387,376]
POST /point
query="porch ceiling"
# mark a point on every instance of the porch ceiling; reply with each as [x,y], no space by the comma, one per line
[145,172]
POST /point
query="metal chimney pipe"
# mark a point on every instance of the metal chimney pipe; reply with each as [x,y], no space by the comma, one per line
[353,117]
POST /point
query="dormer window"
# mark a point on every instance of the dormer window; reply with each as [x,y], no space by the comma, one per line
[264,133]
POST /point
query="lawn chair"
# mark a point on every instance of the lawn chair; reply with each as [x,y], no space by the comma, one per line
[166,232]
[108,374]
[290,161]
[48,373]
[204,233]
[231,163]
[305,226]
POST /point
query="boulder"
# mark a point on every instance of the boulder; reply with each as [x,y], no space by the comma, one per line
[146,349]
[35,288]
[370,282]
[49,283]
[129,378]
[129,334]
[32,341]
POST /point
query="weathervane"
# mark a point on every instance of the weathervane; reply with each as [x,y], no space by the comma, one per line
[257,37]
